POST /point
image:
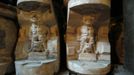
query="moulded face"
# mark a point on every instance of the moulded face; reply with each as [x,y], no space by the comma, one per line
[89,20]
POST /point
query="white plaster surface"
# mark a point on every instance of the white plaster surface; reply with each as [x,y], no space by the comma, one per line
[89,67]
[24,67]
[73,3]
[19,1]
